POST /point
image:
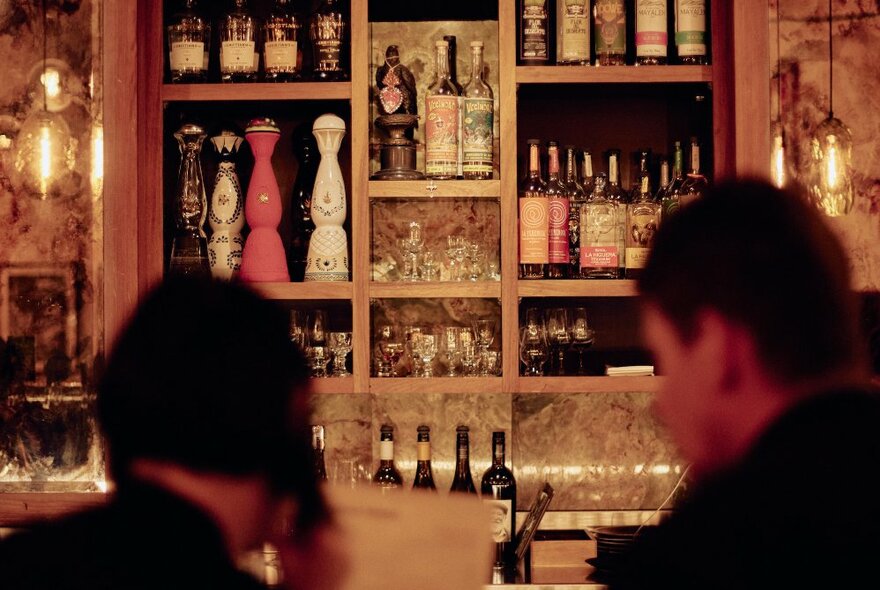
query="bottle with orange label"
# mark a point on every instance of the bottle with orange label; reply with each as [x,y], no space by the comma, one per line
[534,222]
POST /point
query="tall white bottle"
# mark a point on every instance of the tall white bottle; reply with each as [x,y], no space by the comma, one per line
[328,248]
[226,216]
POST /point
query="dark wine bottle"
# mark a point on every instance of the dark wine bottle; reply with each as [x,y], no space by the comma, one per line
[462,481]
[424,479]
[318,452]
[499,493]
[305,148]
[387,476]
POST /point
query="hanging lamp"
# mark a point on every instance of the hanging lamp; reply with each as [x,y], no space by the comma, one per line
[830,184]
[778,169]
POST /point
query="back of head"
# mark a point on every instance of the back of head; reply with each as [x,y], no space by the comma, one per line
[205,376]
[765,259]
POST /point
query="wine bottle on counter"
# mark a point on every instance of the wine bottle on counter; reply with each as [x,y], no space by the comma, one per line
[462,481]
[318,452]
[498,490]
[424,479]
[387,476]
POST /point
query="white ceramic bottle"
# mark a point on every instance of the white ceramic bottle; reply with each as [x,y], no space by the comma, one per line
[226,216]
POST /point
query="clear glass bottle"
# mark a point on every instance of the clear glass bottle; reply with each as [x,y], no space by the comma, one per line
[239,58]
[557,209]
[441,119]
[576,199]
[616,193]
[695,184]
[652,35]
[609,32]
[642,221]
[189,249]
[424,479]
[664,180]
[587,175]
[189,40]
[478,121]
[672,193]
[329,42]
[599,243]
[690,31]
[387,476]
[282,43]
[318,452]
[462,481]
[534,32]
[498,490]
[573,32]
[534,226]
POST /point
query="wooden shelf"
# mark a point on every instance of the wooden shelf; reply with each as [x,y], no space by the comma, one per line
[409,189]
[324,385]
[21,508]
[422,385]
[437,289]
[257,91]
[310,290]
[577,288]
[612,74]
[588,384]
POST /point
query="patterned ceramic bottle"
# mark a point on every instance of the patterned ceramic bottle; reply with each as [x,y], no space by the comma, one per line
[226,216]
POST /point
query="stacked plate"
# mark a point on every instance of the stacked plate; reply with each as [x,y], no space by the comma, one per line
[613,543]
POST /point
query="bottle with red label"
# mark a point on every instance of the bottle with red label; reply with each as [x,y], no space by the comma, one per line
[557,210]
[534,223]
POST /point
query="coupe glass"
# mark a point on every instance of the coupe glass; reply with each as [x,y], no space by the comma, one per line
[581,334]
[340,345]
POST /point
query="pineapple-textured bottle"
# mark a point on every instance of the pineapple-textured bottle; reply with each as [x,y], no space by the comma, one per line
[599,244]
[643,220]
[616,193]
[478,120]
[690,31]
[441,119]
[557,212]
[534,225]
[387,476]
[609,32]
[282,45]
[572,32]
[576,199]
[329,46]
[498,489]
[239,59]
[424,479]
[462,481]
[652,34]
[534,32]
[189,37]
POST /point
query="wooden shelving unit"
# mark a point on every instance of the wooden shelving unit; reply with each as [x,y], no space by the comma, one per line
[256,91]
[420,385]
[612,74]
[578,288]
[486,289]
[301,291]
[415,189]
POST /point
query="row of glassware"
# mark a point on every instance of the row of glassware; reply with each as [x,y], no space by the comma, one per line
[548,335]
[447,351]
[319,344]
[466,259]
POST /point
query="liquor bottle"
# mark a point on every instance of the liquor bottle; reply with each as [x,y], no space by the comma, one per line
[329,43]
[587,176]
[599,244]
[573,32]
[534,225]
[616,193]
[226,214]
[387,476]
[609,32]
[189,38]
[576,198]
[534,32]
[282,44]
[424,479]
[305,149]
[318,452]
[690,31]
[453,77]
[441,119]
[462,481]
[652,35]
[695,184]
[664,180]
[643,220]
[189,248]
[478,120]
[672,192]
[498,490]
[557,216]
[239,59]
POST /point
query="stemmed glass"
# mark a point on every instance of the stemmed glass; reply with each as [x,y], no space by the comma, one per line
[410,334]
[455,249]
[557,335]
[385,333]
[484,333]
[533,349]
[425,346]
[450,348]
[318,353]
[412,246]
[428,266]
[297,329]
[581,334]
[461,249]
[391,351]
[476,256]
[469,353]
[340,345]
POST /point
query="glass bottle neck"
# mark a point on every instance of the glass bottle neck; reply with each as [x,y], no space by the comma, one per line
[588,165]
[442,62]
[477,63]
[678,164]
[553,163]
[695,159]
[498,453]
[664,174]
[570,166]
[534,162]
[612,169]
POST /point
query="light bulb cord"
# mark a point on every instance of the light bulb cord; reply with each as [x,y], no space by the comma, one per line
[45,59]
[778,62]
[830,65]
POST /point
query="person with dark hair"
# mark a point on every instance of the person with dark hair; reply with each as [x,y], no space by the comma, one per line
[748,309]
[204,408]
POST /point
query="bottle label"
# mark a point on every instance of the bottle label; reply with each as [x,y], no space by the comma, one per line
[328,55]
[651,33]
[386,450]
[424,451]
[238,56]
[558,231]
[441,135]
[187,56]
[327,33]
[499,511]
[599,256]
[533,39]
[610,26]
[534,229]
[477,125]
[636,257]
[573,41]
[280,56]
[690,27]
[599,243]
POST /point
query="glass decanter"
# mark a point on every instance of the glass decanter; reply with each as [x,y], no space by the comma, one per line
[189,249]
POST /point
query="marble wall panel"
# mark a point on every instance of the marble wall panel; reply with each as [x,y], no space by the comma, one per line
[346,419]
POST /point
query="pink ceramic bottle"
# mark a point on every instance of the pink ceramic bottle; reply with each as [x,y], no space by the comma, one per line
[263,257]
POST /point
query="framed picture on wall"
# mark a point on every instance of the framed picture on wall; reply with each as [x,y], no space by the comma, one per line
[38,321]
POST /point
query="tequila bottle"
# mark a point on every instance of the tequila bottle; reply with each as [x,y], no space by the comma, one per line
[441,120]
[651,32]
[557,210]
[609,32]
[239,59]
[616,193]
[478,120]
[534,226]
[189,249]
[642,221]
[576,199]
[690,31]
[587,177]
[189,37]
[599,243]
[572,32]
[282,45]
[327,32]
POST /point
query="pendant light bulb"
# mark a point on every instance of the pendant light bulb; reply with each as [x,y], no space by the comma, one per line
[831,184]
[45,158]
[778,170]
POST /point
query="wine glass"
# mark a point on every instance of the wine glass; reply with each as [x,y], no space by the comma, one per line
[340,345]
[476,256]
[428,266]
[558,336]
[484,333]
[533,349]
[581,334]
[450,348]
[412,245]
[391,351]
[461,248]
[409,336]
[317,332]
[425,346]
[469,352]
